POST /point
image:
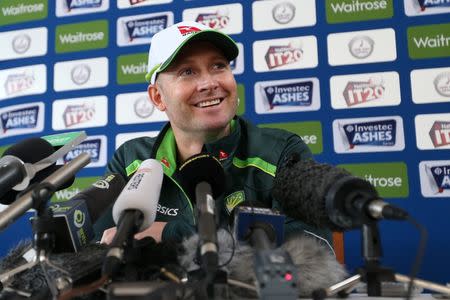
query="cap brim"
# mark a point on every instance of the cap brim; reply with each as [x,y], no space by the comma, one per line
[220,40]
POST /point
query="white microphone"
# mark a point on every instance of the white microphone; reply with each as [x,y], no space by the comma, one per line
[134,210]
[141,193]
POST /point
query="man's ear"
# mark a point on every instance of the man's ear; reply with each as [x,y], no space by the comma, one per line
[154,94]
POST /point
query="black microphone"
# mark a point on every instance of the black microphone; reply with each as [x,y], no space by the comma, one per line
[56,179]
[74,218]
[203,176]
[15,171]
[254,222]
[325,196]
[32,160]
[134,210]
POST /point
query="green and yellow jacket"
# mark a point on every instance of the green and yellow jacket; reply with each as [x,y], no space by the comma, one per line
[250,157]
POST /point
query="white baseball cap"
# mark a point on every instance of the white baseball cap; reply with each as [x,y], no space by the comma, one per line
[167,43]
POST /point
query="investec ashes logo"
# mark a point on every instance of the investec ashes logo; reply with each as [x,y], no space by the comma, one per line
[20,118]
[17,83]
[291,94]
[216,20]
[424,4]
[440,133]
[145,28]
[378,133]
[278,56]
[92,147]
[441,176]
[80,4]
[78,114]
[358,92]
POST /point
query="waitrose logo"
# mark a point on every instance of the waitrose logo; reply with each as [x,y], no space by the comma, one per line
[18,11]
[131,68]
[81,36]
[339,11]
[389,179]
[429,41]
[310,132]
[80,184]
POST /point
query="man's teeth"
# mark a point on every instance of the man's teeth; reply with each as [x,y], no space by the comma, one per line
[208,103]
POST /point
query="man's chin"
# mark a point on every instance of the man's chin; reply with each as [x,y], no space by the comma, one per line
[215,126]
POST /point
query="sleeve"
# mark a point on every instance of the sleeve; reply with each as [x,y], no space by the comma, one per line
[117,163]
[177,231]
[296,146]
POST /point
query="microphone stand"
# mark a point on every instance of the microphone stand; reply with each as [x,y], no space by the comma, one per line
[372,273]
[43,225]
[43,237]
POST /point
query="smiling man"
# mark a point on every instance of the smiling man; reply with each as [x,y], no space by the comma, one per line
[190,79]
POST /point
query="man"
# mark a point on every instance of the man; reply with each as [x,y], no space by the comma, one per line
[191,81]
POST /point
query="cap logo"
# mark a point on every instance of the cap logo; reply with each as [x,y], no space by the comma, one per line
[185,30]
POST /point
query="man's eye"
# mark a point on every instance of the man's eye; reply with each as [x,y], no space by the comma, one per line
[186,72]
[220,65]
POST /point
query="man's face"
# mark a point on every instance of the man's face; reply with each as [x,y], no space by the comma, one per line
[197,91]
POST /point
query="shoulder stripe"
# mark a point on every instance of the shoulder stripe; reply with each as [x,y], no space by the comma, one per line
[257,163]
[131,168]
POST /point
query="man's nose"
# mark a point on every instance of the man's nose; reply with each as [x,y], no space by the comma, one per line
[207,82]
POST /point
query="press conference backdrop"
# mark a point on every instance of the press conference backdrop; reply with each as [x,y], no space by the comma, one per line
[366,83]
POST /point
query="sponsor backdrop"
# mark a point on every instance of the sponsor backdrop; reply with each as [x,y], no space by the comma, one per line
[366,83]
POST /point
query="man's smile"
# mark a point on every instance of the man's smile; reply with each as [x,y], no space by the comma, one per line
[208,103]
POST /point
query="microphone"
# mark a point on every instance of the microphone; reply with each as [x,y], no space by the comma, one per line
[74,217]
[325,196]
[249,213]
[16,165]
[134,210]
[56,179]
[315,265]
[275,273]
[20,168]
[66,270]
[204,174]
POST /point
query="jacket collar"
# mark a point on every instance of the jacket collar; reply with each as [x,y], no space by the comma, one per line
[223,149]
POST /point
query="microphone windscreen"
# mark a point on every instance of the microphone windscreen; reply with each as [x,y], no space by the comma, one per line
[101,194]
[316,264]
[301,186]
[141,192]
[202,167]
[31,151]
[80,268]
[73,218]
